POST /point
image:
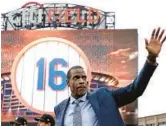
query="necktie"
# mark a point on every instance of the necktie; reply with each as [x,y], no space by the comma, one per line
[77,119]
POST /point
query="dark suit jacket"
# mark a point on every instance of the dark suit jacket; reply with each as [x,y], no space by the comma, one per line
[105,102]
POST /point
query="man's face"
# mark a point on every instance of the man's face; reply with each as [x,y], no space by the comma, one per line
[78,82]
[16,124]
[40,123]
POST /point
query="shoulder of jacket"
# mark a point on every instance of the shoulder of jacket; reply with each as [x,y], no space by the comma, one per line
[60,104]
[103,91]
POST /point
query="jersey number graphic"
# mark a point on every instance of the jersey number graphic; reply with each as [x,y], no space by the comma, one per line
[52,74]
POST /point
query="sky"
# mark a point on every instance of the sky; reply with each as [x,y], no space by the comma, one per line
[130,14]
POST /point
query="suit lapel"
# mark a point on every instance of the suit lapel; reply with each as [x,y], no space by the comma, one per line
[94,103]
[63,110]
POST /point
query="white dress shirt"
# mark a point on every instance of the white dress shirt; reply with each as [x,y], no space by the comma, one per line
[87,113]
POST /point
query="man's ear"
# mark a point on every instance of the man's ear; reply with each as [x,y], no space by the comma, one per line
[67,82]
[88,83]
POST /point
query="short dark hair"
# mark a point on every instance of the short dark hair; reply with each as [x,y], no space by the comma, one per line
[69,71]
